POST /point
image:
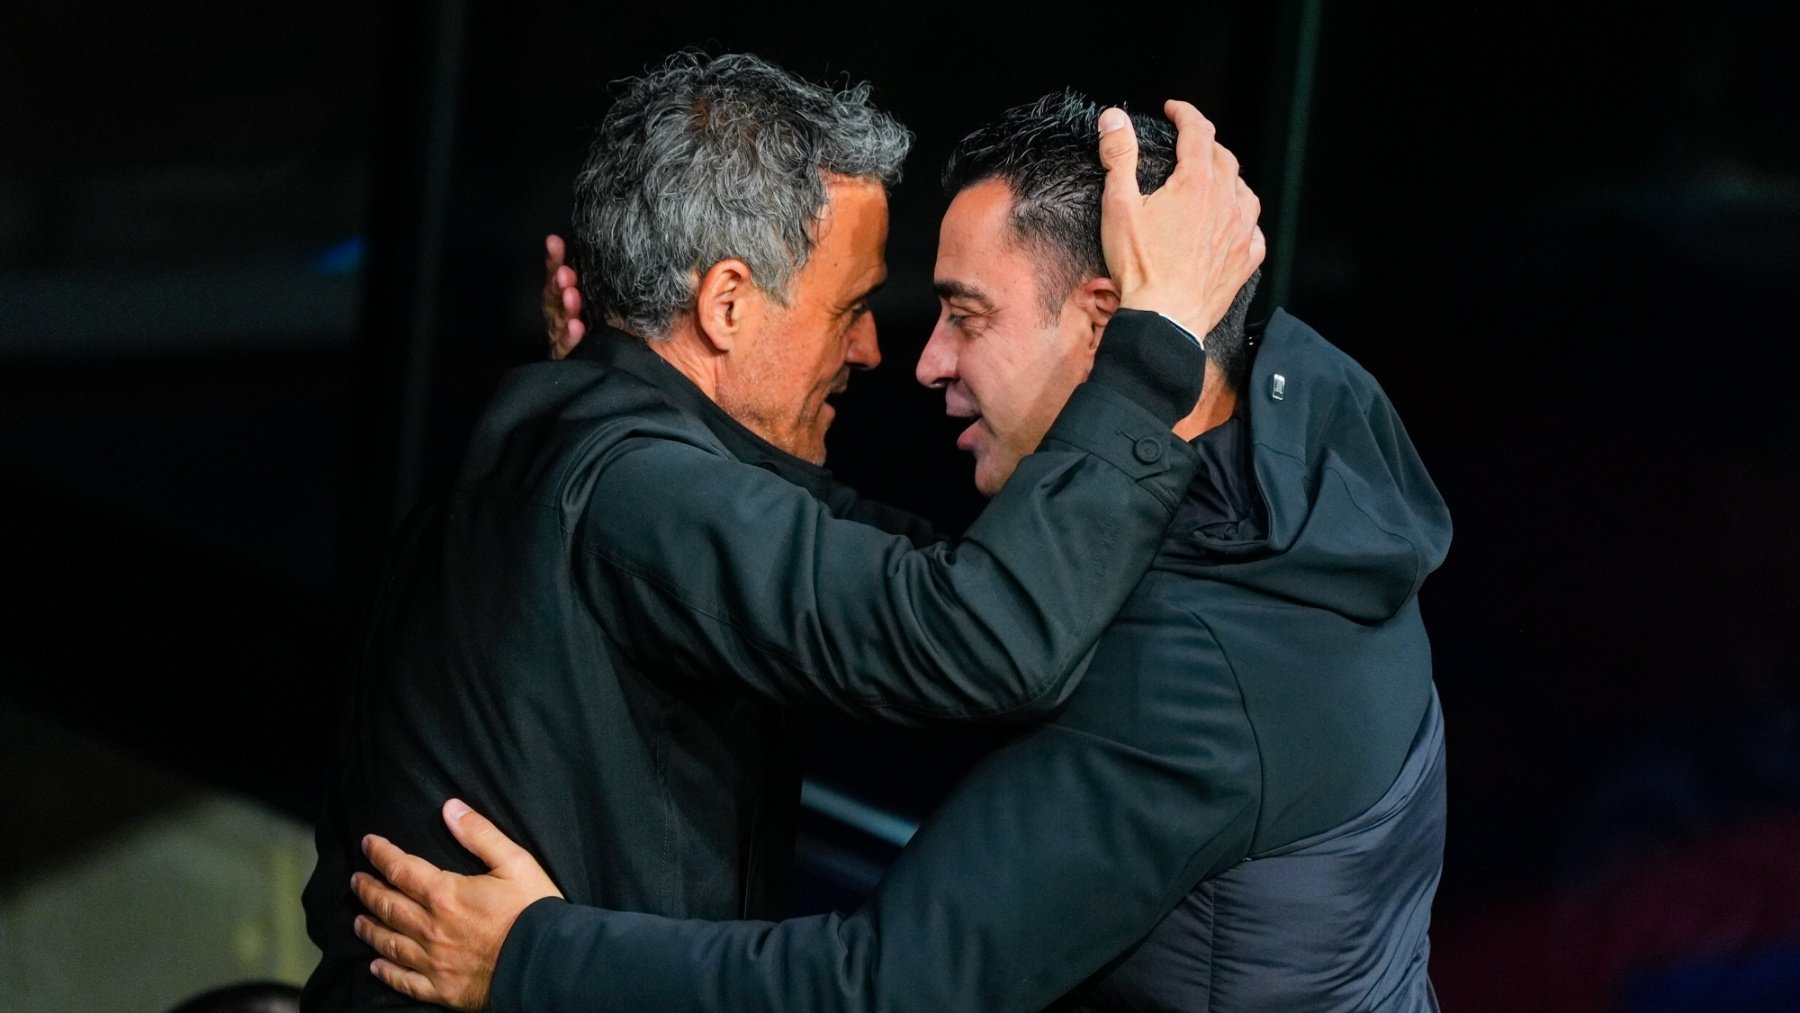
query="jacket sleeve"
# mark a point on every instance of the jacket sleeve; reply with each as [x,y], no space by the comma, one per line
[737,574]
[845,504]
[1056,854]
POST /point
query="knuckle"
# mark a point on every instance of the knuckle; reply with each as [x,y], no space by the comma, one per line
[419,875]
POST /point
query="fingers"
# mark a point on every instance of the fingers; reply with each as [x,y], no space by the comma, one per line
[1225,164]
[478,834]
[1248,201]
[411,984]
[397,947]
[395,909]
[1249,209]
[410,873]
[1119,153]
[560,347]
[554,252]
[562,303]
[560,282]
[1194,137]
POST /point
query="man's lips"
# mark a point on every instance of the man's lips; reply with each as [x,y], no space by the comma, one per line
[958,404]
[827,407]
[966,442]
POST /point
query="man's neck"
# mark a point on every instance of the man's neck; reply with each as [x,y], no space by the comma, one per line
[691,355]
[1217,403]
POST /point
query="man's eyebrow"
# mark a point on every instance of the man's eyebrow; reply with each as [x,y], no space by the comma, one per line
[952,289]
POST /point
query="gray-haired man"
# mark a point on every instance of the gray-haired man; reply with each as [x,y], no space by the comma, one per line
[594,636]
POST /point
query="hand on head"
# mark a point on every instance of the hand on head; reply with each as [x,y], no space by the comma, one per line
[1186,249]
[439,933]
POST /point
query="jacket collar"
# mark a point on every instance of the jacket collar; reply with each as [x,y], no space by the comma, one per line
[1223,505]
[620,350]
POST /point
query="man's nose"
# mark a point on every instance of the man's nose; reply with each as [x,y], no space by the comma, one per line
[937,363]
[865,347]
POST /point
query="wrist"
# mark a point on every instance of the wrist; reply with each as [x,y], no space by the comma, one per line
[1191,316]
[1152,361]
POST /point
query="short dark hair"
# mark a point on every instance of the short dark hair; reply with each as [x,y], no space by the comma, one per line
[1047,153]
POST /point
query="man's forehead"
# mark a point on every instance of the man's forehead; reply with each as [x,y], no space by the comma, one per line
[978,227]
[871,282]
[981,264]
[981,210]
[851,237]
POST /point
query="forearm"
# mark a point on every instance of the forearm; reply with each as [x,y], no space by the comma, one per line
[744,576]
[1019,889]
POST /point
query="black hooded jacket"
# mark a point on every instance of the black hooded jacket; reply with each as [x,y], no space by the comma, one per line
[1253,766]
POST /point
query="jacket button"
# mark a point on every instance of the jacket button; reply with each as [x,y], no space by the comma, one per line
[1149,450]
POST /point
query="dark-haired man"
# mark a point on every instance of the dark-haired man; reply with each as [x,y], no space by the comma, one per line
[597,634]
[1240,808]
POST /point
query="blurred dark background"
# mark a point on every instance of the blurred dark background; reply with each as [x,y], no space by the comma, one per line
[260,266]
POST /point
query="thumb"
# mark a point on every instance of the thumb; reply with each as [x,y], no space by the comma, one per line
[478,834]
[1119,153]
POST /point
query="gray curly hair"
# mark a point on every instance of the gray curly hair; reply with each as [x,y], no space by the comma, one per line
[709,158]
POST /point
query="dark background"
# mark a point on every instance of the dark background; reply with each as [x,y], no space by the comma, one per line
[260,265]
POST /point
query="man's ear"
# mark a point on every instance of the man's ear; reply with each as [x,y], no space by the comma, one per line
[1098,299]
[722,300]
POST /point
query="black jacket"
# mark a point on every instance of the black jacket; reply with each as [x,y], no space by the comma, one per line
[1255,753]
[593,637]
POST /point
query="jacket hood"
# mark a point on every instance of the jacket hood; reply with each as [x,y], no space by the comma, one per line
[1353,522]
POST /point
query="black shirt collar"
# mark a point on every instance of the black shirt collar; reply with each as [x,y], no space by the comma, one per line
[1222,504]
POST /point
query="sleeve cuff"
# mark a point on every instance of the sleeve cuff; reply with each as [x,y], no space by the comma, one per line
[510,990]
[1178,325]
[1152,361]
[1101,422]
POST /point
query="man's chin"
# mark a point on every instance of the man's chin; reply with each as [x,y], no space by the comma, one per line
[814,449]
[812,439]
[990,475]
